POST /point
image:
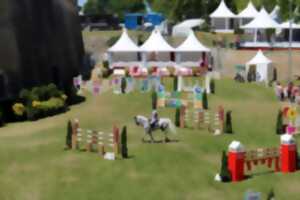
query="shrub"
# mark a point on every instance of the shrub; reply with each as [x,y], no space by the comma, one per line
[212,86]
[124,149]
[279,124]
[69,135]
[177,117]
[224,172]
[228,123]
[19,109]
[205,100]
[154,100]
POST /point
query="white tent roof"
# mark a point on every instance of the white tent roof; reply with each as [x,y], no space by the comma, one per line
[222,12]
[124,44]
[286,25]
[249,12]
[261,21]
[275,13]
[156,43]
[184,28]
[259,58]
[192,44]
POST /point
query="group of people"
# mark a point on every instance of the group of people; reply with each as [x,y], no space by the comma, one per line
[289,92]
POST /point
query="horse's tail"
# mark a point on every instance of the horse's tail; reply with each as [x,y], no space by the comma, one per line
[172,127]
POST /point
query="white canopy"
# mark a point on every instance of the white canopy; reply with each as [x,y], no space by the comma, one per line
[259,58]
[286,25]
[192,44]
[262,21]
[184,28]
[275,14]
[249,12]
[156,43]
[124,44]
[222,12]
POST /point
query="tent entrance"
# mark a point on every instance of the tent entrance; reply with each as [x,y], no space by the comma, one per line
[251,76]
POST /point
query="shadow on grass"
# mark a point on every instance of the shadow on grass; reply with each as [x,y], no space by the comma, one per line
[247,177]
[160,141]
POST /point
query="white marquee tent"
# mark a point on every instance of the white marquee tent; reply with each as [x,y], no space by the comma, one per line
[221,18]
[262,21]
[246,15]
[275,14]
[156,51]
[286,25]
[184,28]
[124,52]
[262,67]
[191,52]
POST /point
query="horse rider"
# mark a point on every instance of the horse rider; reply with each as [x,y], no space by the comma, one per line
[154,119]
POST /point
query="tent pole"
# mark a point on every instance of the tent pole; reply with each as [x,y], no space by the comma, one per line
[255,35]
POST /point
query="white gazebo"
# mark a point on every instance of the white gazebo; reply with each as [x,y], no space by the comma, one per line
[221,19]
[246,15]
[261,67]
[260,23]
[124,53]
[191,53]
[184,28]
[156,52]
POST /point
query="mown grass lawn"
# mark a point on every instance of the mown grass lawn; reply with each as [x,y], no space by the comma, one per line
[34,166]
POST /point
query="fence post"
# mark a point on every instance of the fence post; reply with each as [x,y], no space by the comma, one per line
[288,153]
[116,143]
[182,116]
[236,159]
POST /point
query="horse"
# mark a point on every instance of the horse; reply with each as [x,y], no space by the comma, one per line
[164,124]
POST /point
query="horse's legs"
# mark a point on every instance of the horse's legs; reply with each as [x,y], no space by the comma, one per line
[151,136]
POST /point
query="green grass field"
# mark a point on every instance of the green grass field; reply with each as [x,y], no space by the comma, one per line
[34,165]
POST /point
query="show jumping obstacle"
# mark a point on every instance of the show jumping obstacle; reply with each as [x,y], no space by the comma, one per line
[291,119]
[285,158]
[95,141]
[211,120]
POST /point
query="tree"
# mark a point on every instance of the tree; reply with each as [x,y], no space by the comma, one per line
[177,117]
[123,85]
[69,135]
[271,195]
[124,149]
[154,100]
[175,83]
[279,124]
[212,86]
[224,172]
[205,100]
[228,123]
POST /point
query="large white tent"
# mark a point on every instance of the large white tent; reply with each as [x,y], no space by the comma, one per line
[156,51]
[184,28]
[246,15]
[124,52]
[275,14]
[191,53]
[262,21]
[221,18]
[261,66]
[286,25]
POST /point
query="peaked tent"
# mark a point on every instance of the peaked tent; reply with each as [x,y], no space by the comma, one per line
[261,66]
[221,18]
[124,52]
[261,21]
[184,28]
[156,51]
[275,14]
[247,14]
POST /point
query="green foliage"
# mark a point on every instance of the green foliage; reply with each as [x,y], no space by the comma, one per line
[124,149]
[212,86]
[69,135]
[224,172]
[205,100]
[154,100]
[228,123]
[279,123]
[177,117]
[271,195]
[123,85]
[175,83]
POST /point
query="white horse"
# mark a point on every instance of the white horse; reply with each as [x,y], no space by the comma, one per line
[164,124]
